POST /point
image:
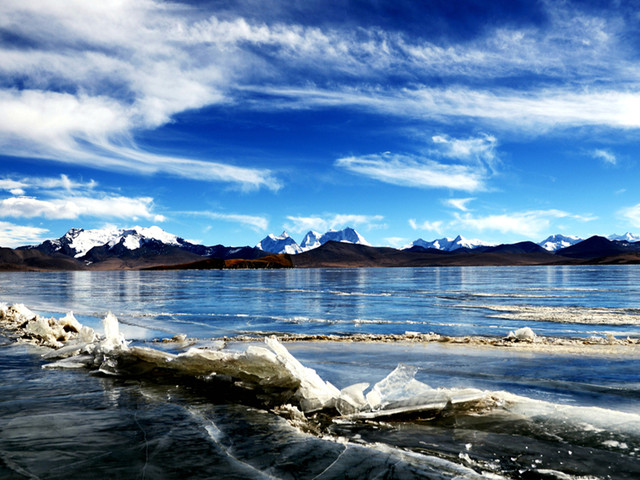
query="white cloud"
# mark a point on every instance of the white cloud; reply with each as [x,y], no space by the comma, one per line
[606,156]
[14,187]
[65,198]
[536,110]
[631,215]
[74,207]
[325,223]
[97,72]
[480,148]
[61,185]
[412,171]
[396,242]
[530,224]
[12,235]
[121,67]
[459,203]
[256,223]
[436,226]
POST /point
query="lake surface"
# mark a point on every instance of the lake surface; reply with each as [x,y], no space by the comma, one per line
[557,415]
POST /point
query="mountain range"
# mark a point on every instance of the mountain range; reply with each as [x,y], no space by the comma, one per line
[152,247]
[285,244]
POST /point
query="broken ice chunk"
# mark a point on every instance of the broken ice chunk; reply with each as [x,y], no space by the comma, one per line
[398,385]
[313,393]
[352,399]
[524,334]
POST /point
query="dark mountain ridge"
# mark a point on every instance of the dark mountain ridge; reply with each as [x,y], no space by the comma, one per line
[153,253]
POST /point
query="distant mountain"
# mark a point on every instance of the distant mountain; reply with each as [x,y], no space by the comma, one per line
[281,244]
[627,237]
[311,240]
[598,247]
[520,247]
[35,260]
[347,235]
[285,244]
[556,242]
[447,244]
[134,247]
[77,242]
[140,248]
[345,255]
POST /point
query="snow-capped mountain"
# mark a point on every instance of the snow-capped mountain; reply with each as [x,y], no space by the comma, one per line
[347,235]
[310,241]
[448,244]
[77,242]
[99,244]
[627,237]
[285,244]
[281,244]
[556,242]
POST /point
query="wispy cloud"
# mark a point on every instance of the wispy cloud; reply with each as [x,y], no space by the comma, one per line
[323,223]
[53,185]
[479,149]
[459,203]
[12,235]
[255,222]
[96,73]
[436,226]
[396,242]
[414,171]
[631,215]
[531,111]
[529,224]
[75,207]
[605,155]
[57,198]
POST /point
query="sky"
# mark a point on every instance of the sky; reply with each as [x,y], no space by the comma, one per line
[222,121]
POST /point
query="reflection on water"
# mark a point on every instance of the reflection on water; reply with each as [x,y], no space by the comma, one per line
[446,301]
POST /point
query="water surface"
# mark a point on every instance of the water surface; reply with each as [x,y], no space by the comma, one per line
[575,415]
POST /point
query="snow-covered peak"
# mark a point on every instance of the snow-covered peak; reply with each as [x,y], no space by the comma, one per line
[81,241]
[347,235]
[280,244]
[448,244]
[627,237]
[285,244]
[311,240]
[462,242]
[558,241]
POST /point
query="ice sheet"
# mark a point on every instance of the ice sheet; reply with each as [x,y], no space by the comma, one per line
[275,376]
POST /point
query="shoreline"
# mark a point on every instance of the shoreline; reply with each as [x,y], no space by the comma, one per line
[592,346]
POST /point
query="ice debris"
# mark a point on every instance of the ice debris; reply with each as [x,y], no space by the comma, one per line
[48,332]
[524,334]
[271,372]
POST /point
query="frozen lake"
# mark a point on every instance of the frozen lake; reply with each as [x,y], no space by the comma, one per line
[554,413]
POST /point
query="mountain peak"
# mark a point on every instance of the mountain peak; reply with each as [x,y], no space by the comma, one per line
[556,242]
[77,241]
[627,237]
[285,244]
[280,244]
[448,244]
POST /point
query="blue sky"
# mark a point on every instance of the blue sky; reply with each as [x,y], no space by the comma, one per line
[224,121]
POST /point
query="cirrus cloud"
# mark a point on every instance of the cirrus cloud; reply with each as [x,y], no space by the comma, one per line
[12,235]
[529,224]
[631,215]
[255,222]
[413,171]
